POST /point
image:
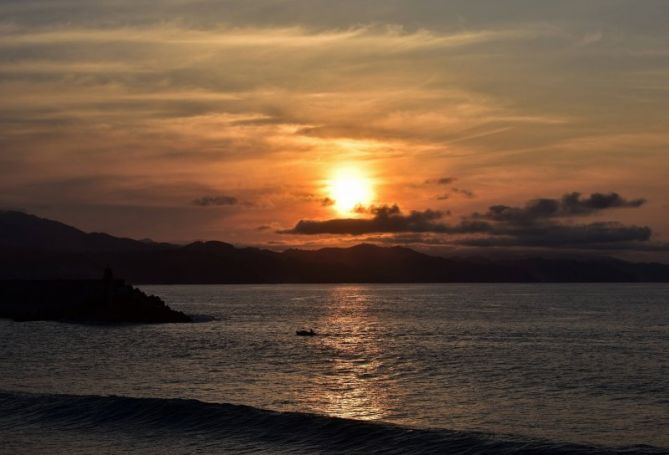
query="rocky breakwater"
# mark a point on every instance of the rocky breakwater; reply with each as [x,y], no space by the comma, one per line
[110,300]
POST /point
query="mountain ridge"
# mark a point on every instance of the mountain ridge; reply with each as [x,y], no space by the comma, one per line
[36,248]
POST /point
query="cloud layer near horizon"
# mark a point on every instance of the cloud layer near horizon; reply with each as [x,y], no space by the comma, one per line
[537,224]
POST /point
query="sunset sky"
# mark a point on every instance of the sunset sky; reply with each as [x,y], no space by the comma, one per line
[447,126]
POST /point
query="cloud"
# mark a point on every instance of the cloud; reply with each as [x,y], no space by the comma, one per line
[571,204]
[563,235]
[212,201]
[466,193]
[361,209]
[537,224]
[454,191]
[457,192]
[440,181]
[385,219]
[327,202]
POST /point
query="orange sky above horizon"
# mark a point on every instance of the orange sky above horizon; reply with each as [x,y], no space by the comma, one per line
[230,120]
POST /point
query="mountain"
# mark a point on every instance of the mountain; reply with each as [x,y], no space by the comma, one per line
[37,248]
[24,231]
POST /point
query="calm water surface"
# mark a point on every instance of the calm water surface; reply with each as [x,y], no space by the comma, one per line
[580,363]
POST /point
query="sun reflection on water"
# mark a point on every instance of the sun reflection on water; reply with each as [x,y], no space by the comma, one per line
[355,384]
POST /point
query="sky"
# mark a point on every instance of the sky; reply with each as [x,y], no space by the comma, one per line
[447,126]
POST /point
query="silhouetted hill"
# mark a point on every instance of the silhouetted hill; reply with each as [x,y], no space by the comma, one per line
[35,248]
[20,230]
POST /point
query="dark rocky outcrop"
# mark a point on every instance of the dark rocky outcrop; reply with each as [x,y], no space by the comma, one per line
[109,301]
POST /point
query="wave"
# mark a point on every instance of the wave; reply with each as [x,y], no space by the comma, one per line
[226,426]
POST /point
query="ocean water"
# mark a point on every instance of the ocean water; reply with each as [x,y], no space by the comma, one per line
[492,368]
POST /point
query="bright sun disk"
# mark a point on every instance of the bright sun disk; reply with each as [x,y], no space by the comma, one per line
[350,188]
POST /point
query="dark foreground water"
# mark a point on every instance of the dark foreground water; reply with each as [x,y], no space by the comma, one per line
[396,369]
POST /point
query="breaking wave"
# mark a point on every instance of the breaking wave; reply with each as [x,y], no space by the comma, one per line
[228,427]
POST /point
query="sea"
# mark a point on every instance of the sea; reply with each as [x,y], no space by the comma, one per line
[393,369]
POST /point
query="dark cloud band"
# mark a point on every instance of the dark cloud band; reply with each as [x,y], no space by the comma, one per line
[534,225]
[385,219]
[571,204]
[212,201]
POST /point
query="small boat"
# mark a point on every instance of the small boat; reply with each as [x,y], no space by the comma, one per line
[305,333]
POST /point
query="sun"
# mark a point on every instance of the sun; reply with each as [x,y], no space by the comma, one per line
[349,188]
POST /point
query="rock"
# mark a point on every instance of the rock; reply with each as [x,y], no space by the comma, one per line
[84,301]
